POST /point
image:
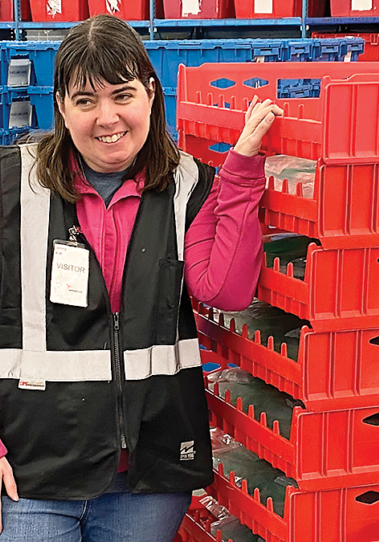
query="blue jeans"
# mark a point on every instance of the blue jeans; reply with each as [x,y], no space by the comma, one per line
[112,517]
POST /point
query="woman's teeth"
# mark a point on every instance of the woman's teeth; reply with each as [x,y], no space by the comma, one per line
[111,139]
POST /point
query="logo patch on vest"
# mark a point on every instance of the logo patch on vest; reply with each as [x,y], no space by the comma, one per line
[32,385]
[187,450]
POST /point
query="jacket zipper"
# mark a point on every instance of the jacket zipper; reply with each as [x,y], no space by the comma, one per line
[118,376]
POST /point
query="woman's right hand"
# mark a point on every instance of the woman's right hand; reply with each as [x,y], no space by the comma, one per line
[6,477]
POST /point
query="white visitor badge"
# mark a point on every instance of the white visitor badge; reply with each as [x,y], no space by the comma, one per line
[69,274]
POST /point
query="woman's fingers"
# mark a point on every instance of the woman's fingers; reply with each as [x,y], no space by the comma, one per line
[252,107]
[258,119]
[6,477]
[10,482]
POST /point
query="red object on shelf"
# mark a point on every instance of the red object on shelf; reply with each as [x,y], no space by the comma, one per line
[339,515]
[59,10]
[354,8]
[371,52]
[326,450]
[334,370]
[198,9]
[7,13]
[267,9]
[124,9]
[316,8]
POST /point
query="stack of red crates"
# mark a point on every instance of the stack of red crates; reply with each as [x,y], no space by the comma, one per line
[333,449]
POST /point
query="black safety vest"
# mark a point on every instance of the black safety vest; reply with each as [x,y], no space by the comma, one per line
[75,382]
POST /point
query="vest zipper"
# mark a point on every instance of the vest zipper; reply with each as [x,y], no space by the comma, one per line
[118,373]
[115,351]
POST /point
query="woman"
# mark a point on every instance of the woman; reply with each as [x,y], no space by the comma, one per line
[104,419]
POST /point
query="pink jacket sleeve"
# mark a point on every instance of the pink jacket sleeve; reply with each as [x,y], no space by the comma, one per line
[3,450]
[223,246]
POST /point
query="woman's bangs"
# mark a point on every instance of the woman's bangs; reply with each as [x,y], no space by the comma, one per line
[97,68]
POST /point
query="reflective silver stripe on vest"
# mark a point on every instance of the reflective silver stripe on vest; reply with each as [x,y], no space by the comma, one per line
[95,365]
[35,206]
[161,359]
[56,366]
[186,178]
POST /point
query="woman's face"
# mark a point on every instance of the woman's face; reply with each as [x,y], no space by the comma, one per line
[108,125]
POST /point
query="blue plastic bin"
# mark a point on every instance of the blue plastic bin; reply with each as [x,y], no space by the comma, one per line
[10,137]
[324,50]
[298,88]
[41,99]
[40,53]
[166,55]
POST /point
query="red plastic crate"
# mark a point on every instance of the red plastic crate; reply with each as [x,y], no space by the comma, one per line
[342,213]
[353,8]
[334,370]
[7,13]
[339,291]
[344,209]
[311,127]
[129,11]
[321,516]
[326,450]
[61,10]
[371,52]
[198,9]
[267,9]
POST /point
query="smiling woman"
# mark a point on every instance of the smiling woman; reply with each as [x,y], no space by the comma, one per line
[106,229]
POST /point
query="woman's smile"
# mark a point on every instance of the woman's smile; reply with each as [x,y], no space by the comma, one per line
[109,139]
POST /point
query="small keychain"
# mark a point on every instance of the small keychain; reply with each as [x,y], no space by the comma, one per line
[70,271]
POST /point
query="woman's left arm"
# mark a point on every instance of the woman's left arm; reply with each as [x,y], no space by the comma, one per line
[223,246]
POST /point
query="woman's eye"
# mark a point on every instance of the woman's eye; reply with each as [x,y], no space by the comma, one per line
[83,102]
[123,97]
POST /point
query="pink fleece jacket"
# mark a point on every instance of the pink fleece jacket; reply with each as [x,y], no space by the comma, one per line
[223,246]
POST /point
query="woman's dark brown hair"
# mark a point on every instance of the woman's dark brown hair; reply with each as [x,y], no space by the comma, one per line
[104,48]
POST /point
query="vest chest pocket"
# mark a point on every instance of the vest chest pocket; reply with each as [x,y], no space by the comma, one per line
[169,292]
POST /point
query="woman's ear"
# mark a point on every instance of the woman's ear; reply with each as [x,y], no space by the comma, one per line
[60,104]
[152,88]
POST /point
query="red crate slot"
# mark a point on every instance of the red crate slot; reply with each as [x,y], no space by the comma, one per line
[340,515]
[61,10]
[138,10]
[326,450]
[193,531]
[311,127]
[334,370]
[267,9]
[197,9]
[371,51]
[339,290]
[354,8]
[196,525]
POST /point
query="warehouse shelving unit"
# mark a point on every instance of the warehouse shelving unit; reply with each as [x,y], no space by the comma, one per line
[197,28]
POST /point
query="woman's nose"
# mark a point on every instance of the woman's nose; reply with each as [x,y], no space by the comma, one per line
[107,113]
